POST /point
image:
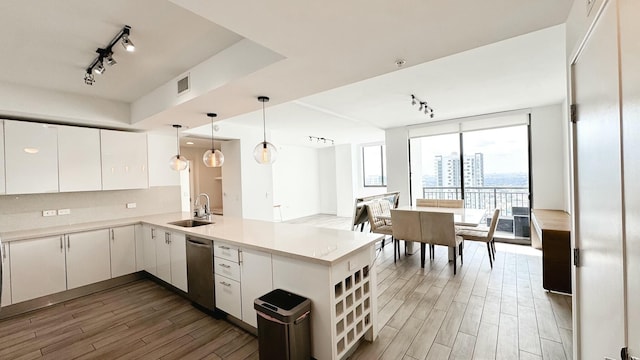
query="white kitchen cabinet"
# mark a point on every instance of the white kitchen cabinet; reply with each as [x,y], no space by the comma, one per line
[79,166]
[163,255]
[3,188]
[171,255]
[37,268]
[124,160]
[88,259]
[6,276]
[139,234]
[178,245]
[160,149]
[31,157]
[228,297]
[123,250]
[256,280]
[149,248]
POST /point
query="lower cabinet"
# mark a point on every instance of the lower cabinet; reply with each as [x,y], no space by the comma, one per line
[6,276]
[123,250]
[149,249]
[171,257]
[241,276]
[88,259]
[37,268]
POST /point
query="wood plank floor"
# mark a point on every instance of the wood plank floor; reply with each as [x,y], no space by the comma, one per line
[423,314]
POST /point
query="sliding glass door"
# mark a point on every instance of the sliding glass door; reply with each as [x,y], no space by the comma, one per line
[487,168]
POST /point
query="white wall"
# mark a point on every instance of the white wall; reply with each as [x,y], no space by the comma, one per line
[327,180]
[548,162]
[345,179]
[231,179]
[296,182]
[397,140]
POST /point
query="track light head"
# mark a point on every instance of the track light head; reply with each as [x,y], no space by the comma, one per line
[88,77]
[126,42]
[109,59]
[98,68]
[413,100]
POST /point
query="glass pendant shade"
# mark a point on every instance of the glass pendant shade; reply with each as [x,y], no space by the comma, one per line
[178,163]
[213,158]
[265,153]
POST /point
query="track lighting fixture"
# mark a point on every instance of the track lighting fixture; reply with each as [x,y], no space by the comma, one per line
[213,157]
[424,107]
[321,140]
[105,55]
[264,153]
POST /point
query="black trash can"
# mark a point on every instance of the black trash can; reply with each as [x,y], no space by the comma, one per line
[284,328]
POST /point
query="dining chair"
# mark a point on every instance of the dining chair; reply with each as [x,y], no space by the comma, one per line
[406,226]
[438,229]
[427,202]
[483,235]
[448,203]
[377,224]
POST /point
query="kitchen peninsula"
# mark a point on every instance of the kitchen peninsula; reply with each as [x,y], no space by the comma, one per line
[333,268]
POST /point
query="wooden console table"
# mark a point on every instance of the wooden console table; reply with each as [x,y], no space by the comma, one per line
[552,229]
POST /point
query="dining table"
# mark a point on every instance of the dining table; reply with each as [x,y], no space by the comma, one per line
[461,217]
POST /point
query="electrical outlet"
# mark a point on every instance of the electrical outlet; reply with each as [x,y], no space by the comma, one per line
[48,213]
[64,211]
[131,205]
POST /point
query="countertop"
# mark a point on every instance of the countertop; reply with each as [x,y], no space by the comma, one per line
[319,245]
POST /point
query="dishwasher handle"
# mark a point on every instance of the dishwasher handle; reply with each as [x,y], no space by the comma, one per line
[198,243]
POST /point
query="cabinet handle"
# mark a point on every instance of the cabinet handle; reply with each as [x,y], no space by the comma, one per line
[168,238]
[225,266]
[225,284]
[68,242]
[61,246]
[4,251]
[224,247]
[112,236]
[153,233]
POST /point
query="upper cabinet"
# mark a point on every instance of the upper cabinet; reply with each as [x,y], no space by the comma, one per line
[124,160]
[79,159]
[31,157]
[161,149]
[2,186]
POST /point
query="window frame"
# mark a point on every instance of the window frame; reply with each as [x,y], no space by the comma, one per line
[382,167]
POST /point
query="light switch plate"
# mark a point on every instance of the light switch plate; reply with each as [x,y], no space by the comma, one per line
[64,211]
[131,205]
[48,213]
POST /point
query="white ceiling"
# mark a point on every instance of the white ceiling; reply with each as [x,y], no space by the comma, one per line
[338,79]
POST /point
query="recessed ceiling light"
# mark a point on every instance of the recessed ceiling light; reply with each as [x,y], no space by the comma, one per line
[30,150]
[189,142]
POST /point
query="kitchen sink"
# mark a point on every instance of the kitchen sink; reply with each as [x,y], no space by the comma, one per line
[190,223]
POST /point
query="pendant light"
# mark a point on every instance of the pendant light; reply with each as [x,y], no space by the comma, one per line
[264,153]
[178,162]
[212,158]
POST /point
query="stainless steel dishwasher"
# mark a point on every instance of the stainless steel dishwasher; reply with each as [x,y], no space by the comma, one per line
[200,272]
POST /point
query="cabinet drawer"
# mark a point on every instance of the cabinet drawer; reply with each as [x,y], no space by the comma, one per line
[227,268]
[227,252]
[228,297]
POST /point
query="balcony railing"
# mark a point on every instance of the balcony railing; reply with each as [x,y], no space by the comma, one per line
[503,198]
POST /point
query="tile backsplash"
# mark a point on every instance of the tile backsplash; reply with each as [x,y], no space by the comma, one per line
[23,212]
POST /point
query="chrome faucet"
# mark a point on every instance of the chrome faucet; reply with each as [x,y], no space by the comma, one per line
[206,206]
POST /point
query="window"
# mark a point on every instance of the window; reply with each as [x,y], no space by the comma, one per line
[374,164]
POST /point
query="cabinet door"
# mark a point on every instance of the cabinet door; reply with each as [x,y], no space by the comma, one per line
[6,276]
[256,280]
[79,166]
[160,149]
[31,157]
[37,268]
[123,251]
[178,261]
[2,184]
[228,296]
[163,256]
[140,235]
[88,259]
[124,160]
[149,246]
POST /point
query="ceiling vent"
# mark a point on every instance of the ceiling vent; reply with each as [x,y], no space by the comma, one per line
[184,84]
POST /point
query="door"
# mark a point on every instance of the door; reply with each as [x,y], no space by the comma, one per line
[149,248]
[123,251]
[599,285]
[6,275]
[88,259]
[256,279]
[163,256]
[630,50]
[37,268]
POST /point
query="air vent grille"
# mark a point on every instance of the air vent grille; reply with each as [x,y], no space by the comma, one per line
[184,84]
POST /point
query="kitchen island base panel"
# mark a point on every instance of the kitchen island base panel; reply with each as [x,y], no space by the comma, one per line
[343,299]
